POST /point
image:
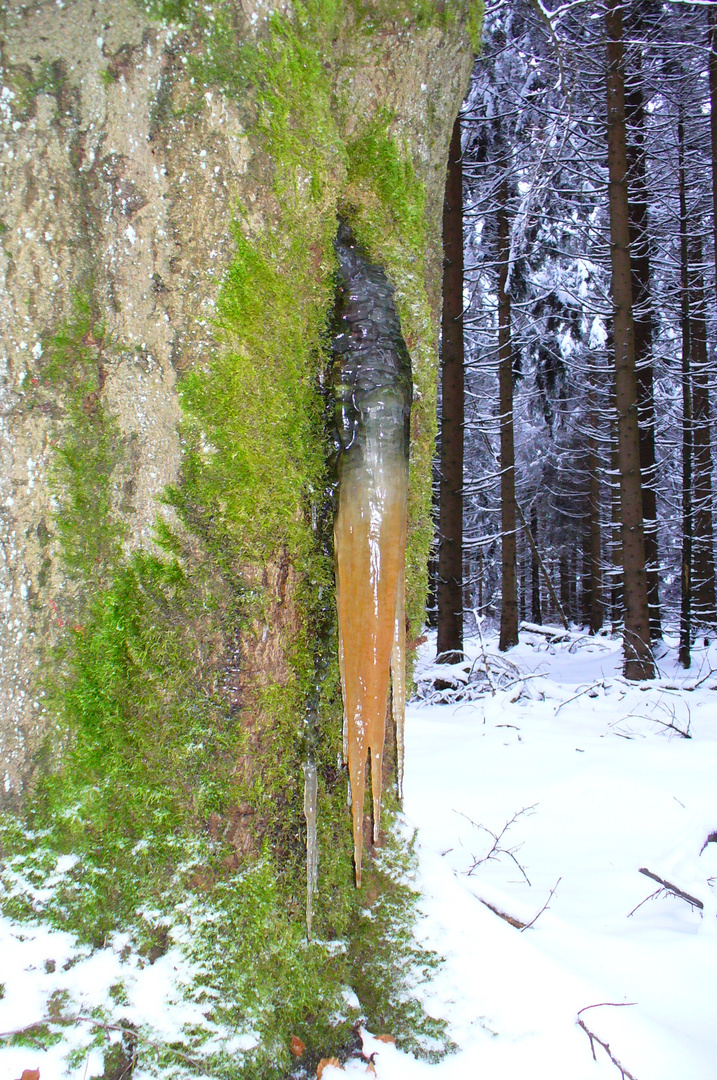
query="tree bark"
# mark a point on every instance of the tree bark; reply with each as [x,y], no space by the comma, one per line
[642,317]
[509,605]
[687,524]
[712,64]
[638,661]
[536,612]
[703,563]
[595,612]
[449,589]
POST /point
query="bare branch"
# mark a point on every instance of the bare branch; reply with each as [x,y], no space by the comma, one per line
[596,1039]
[673,889]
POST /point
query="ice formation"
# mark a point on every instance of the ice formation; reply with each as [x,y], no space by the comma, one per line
[311,794]
[372,394]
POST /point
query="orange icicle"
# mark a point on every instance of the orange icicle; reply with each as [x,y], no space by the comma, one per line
[372,384]
[370,536]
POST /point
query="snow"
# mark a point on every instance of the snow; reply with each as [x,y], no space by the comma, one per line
[600,788]
[569,778]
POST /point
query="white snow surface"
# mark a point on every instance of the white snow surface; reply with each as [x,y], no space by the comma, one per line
[595,786]
[604,789]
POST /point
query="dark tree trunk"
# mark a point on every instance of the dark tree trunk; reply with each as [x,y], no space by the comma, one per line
[703,563]
[565,584]
[712,17]
[595,614]
[536,612]
[638,663]
[642,318]
[586,596]
[449,588]
[509,606]
[687,524]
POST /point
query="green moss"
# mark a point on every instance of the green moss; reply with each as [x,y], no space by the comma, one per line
[159,751]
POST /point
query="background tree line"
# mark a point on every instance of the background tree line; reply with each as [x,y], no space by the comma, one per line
[575,477]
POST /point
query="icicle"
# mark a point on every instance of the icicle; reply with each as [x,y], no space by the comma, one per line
[372,385]
[311,793]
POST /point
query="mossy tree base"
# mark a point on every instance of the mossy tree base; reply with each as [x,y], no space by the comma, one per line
[187,665]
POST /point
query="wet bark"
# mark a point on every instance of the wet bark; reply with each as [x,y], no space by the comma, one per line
[449,588]
[638,661]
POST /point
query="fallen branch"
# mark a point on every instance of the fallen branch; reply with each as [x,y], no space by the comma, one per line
[502,914]
[496,850]
[592,686]
[669,887]
[511,918]
[543,908]
[554,634]
[596,1039]
[711,839]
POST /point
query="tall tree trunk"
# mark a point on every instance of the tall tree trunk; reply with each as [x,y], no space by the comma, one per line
[595,613]
[509,606]
[712,64]
[586,598]
[687,524]
[642,318]
[536,611]
[565,583]
[703,563]
[449,588]
[638,661]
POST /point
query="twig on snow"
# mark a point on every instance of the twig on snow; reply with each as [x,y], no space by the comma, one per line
[711,839]
[501,914]
[496,850]
[592,686]
[543,908]
[596,1039]
[669,887]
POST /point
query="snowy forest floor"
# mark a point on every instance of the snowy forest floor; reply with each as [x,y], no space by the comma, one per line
[537,783]
[570,781]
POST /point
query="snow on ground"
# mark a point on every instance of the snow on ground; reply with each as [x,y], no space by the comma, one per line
[598,787]
[547,773]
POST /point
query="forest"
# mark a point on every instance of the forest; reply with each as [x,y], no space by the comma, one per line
[584,373]
[358,630]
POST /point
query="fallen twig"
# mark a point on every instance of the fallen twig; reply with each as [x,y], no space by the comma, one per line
[593,686]
[672,888]
[711,839]
[502,914]
[596,1039]
[543,908]
[496,850]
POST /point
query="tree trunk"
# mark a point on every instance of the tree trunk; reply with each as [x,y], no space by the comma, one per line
[509,605]
[449,589]
[536,613]
[638,661]
[642,318]
[703,563]
[565,583]
[595,538]
[586,597]
[712,19]
[687,524]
